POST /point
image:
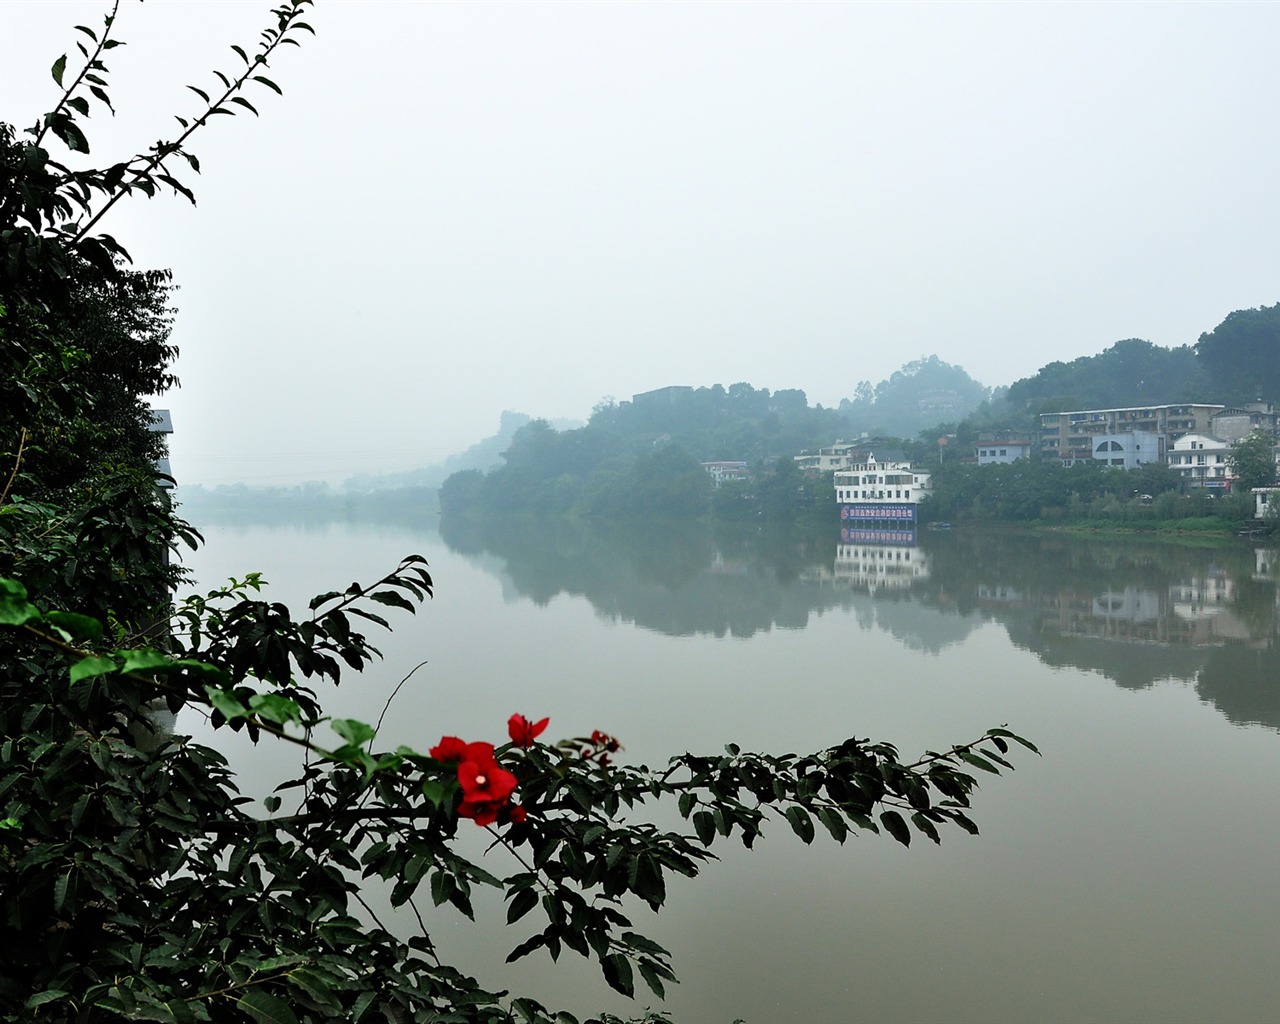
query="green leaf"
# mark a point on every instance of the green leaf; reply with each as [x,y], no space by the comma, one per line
[226,702]
[60,891]
[801,823]
[15,609]
[833,823]
[926,826]
[652,980]
[896,827]
[352,730]
[78,627]
[90,666]
[268,83]
[978,762]
[273,707]
[521,903]
[59,66]
[144,660]
[1015,737]
[704,823]
[433,791]
[266,1009]
[617,972]
[47,996]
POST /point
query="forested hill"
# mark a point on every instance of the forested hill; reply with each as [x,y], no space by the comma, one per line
[645,454]
[1236,362]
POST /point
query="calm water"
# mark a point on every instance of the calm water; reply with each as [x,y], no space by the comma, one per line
[1128,875]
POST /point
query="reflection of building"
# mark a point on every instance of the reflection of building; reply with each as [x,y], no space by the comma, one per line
[880,494]
[998,595]
[1266,563]
[888,565]
[1198,611]
[1128,605]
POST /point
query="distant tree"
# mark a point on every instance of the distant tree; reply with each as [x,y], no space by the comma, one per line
[1242,355]
[1253,462]
[921,393]
[1130,372]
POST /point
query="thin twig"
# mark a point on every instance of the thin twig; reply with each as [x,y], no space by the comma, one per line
[387,706]
[17,465]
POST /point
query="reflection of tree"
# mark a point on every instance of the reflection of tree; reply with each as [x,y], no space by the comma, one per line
[1137,611]
[685,579]
[1241,682]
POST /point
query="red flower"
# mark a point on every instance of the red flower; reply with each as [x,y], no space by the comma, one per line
[522,731]
[486,789]
[450,748]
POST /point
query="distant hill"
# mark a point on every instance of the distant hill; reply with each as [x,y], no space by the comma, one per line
[921,395]
[483,455]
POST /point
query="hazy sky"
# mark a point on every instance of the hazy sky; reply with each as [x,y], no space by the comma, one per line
[457,209]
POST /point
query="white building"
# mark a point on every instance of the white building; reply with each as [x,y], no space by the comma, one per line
[993,452]
[1266,500]
[722,471]
[1202,460]
[1130,450]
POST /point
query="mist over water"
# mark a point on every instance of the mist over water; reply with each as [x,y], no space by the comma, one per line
[1127,875]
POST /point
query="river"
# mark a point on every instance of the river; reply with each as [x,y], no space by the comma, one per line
[1128,874]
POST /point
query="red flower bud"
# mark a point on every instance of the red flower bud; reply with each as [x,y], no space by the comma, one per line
[522,731]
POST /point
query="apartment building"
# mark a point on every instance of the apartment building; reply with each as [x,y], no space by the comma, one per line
[1071,436]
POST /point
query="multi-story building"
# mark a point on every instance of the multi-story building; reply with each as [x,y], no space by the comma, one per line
[1129,450]
[844,454]
[991,450]
[1070,436]
[722,471]
[1234,423]
[1202,460]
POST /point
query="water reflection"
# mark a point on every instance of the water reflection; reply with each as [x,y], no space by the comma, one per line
[1136,611]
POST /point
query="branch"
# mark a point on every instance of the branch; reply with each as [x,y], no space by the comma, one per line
[17,465]
[89,63]
[163,150]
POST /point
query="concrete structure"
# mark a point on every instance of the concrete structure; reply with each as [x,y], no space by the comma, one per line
[1202,460]
[844,455]
[875,493]
[1129,450]
[1069,436]
[663,396]
[722,471]
[991,452]
[162,423]
[1232,424]
[1266,502]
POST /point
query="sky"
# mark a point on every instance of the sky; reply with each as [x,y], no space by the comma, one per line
[461,208]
